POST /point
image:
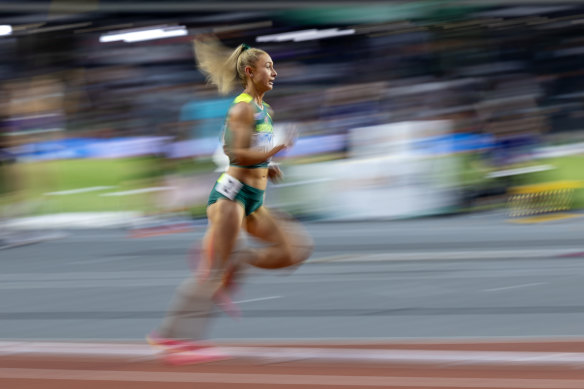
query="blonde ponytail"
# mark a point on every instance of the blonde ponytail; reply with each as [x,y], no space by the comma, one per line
[223,67]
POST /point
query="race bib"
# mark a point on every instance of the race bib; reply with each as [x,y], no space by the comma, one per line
[228,186]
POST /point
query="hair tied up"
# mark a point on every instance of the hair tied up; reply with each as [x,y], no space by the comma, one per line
[222,66]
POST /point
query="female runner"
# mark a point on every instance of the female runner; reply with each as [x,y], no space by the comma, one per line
[236,200]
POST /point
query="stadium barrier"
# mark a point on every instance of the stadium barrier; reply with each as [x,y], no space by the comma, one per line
[542,199]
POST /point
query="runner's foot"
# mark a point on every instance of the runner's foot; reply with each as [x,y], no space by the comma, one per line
[204,355]
[171,345]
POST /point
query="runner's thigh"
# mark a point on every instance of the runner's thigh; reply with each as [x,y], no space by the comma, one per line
[263,225]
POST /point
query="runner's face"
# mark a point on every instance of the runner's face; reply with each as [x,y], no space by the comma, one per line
[264,73]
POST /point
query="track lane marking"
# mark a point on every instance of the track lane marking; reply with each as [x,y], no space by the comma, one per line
[515,287]
[257,299]
[120,350]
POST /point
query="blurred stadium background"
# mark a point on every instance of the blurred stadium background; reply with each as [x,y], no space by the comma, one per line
[405,109]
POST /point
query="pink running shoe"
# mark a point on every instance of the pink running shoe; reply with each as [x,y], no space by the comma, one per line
[206,355]
[171,344]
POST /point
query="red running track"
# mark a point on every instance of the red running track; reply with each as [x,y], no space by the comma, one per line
[520,364]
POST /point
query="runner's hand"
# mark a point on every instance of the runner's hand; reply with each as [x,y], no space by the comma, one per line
[290,135]
[274,173]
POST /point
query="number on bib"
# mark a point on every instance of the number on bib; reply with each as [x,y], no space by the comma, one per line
[228,186]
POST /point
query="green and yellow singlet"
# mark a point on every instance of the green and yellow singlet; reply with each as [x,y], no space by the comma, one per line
[263,133]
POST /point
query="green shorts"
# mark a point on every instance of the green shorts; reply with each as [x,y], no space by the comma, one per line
[230,188]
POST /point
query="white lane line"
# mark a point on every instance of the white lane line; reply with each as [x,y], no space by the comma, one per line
[288,379]
[515,287]
[257,299]
[121,350]
[408,356]
[69,348]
